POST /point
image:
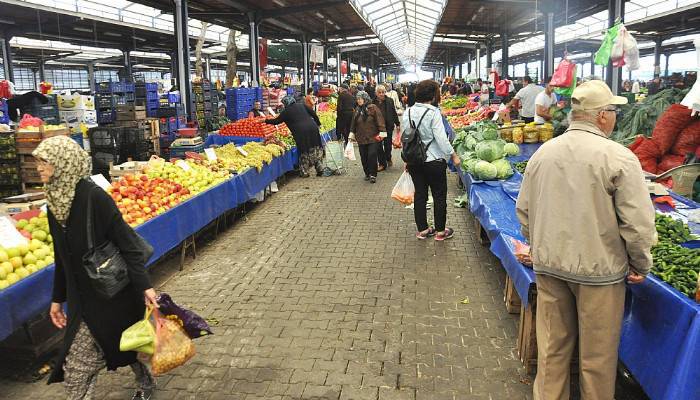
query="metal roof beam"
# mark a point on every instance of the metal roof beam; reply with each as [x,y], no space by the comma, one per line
[285,11]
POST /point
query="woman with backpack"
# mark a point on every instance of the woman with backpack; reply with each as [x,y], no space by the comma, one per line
[426,150]
[368,130]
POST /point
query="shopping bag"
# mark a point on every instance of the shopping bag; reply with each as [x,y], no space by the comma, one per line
[350,152]
[631,51]
[396,139]
[522,252]
[502,88]
[173,347]
[139,336]
[602,56]
[564,74]
[404,190]
[194,325]
[568,91]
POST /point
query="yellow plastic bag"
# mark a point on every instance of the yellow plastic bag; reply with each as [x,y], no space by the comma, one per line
[140,336]
[173,347]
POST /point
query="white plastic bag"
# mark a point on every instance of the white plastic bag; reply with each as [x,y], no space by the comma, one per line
[631,51]
[350,152]
[617,53]
[404,190]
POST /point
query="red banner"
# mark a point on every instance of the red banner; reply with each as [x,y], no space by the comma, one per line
[344,68]
[262,51]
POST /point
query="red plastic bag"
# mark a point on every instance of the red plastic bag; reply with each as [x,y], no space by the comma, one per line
[27,120]
[564,74]
[633,146]
[502,88]
[669,126]
[688,140]
[173,347]
[5,91]
[670,161]
[522,252]
[648,154]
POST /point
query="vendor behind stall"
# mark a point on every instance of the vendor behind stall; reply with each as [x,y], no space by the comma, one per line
[257,110]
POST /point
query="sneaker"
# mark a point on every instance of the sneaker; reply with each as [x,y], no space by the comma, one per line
[372,179]
[367,177]
[143,395]
[447,234]
[425,234]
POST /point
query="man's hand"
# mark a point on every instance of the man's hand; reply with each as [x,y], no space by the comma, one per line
[456,161]
[58,317]
[633,278]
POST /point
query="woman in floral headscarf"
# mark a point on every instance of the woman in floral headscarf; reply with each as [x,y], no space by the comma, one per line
[93,324]
[304,124]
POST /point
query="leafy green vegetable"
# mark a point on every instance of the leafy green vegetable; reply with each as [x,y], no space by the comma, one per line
[640,118]
[489,150]
[484,170]
[504,170]
[511,149]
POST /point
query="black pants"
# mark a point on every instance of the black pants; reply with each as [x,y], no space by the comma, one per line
[342,125]
[431,175]
[368,155]
[385,147]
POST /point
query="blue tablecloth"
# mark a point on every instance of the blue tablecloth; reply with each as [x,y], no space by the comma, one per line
[660,341]
[220,140]
[31,296]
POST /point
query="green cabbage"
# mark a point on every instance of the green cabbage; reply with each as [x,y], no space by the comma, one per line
[489,150]
[484,170]
[470,142]
[504,169]
[469,165]
[511,149]
[490,133]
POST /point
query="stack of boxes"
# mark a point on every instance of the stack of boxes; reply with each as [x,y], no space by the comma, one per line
[48,111]
[4,117]
[110,95]
[26,143]
[76,109]
[105,144]
[203,104]
[239,101]
[146,94]
[171,117]
[10,182]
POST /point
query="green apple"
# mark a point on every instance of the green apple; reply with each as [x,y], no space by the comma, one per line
[39,235]
[49,238]
[4,284]
[22,223]
[30,258]
[3,256]
[31,268]
[3,273]
[23,249]
[12,278]
[16,262]
[7,267]
[30,228]
[41,253]
[49,260]
[22,272]
[41,264]
[35,244]
[12,252]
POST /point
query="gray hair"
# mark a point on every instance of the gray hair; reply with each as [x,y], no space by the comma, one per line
[380,87]
[362,94]
[585,115]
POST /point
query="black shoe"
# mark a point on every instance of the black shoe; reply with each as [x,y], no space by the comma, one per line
[143,394]
[366,177]
[372,179]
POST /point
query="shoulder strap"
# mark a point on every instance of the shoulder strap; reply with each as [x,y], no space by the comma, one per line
[90,229]
[421,119]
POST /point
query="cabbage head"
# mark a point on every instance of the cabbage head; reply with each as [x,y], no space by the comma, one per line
[470,142]
[469,165]
[511,149]
[504,170]
[490,133]
[489,150]
[484,170]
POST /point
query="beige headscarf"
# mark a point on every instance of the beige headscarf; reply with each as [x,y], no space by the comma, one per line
[71,163]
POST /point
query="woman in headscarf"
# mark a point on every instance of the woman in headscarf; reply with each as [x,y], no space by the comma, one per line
[367,129]
[93,325]
[304,124]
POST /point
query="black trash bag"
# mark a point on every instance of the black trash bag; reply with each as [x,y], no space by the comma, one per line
[194,325]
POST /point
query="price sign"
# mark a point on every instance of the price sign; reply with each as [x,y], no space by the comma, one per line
[9,236]
[183,165]
[243,152]
[211,154]
[100,181]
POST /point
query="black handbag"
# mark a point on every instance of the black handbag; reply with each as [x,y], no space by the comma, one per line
[104,264]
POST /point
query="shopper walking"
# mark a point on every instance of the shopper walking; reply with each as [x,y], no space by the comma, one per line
[310,100]
[395,95]
[366,129]
[432,174]
[345,108]
[526,99]
[304,124]
[586,212]
[94,324]
[391,119]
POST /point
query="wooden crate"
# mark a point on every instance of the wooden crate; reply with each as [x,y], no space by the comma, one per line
[54,132]
[27,161]
[527,337]
[129,167]
[130,108]
[30,175]
[130,115]
[511,297]
[26,147]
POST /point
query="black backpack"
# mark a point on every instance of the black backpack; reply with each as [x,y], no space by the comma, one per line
[414,151]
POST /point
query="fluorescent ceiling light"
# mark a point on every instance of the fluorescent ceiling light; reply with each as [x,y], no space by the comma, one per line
[279,3]
[113,34]
[79,29]
[409,28]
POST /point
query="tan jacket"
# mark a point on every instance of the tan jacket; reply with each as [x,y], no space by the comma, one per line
[585,209]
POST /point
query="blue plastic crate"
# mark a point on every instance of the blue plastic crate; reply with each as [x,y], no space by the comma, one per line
[151,86]
[152,96]
[4,118]
[78,139]
[106,117]
[179,151]
[173,98]
[128,87]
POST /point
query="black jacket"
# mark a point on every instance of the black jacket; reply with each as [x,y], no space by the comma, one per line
[106,319]
[388,109]
[346,103]
[303,123]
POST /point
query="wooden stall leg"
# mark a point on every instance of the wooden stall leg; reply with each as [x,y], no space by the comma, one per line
[511,297]
[187,243]
[527,337]
[481,233]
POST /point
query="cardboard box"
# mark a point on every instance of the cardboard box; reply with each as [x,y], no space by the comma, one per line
[14,208]
[75,102]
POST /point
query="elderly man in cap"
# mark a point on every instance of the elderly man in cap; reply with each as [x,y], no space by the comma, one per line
[345,108]
[586,211]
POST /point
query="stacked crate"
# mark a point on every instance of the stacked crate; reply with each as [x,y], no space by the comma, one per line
[105,143]
[239,101]
[137,140]
[4,117]
[121,93]
[10,182]
[26,143]
[48,111]
[203,101]
[146,94]
[171,116]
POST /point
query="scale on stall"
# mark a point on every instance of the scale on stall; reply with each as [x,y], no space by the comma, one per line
[195,141]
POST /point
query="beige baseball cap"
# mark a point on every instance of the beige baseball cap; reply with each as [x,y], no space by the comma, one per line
[592,95]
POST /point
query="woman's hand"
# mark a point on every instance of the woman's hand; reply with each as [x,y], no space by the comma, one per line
[58,317]
[456,160]
[150,298]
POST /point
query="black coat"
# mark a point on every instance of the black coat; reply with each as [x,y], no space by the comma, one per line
[304,124]
[388,109]
[106,319]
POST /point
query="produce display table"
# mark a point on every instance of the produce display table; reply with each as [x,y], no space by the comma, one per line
[220,140]
[660,342]
[32,296]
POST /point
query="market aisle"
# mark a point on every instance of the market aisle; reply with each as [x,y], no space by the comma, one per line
[325,293]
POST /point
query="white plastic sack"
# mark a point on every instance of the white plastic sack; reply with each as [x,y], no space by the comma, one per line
[349,152]
[617,53]
[692,99]
[404,190]
[631,51]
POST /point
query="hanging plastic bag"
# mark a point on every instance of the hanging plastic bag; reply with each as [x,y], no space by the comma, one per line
[350,152]
[194,325]
[568,91]
[5,89]
[139,336]
[631,51]
[502,88]
[564,74]
[173,347]
[602,56]
[617,52]
[404,191]
[396,139]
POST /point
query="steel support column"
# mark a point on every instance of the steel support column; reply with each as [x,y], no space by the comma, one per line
[325,63]
[477,65]
[183,54]
[254,49]
[505,62]
[527,73]
[667,55]
[207,61]
[592,64]
[91,75]
[460,72]
[42,70]
[613,77]
[489,60]
[305,61]
[127,66]
[7,58]
[657,56]
[469,64]
[548,67]
[339,63]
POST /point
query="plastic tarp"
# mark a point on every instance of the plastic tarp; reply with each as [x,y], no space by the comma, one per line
[32,296]
[220,140]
